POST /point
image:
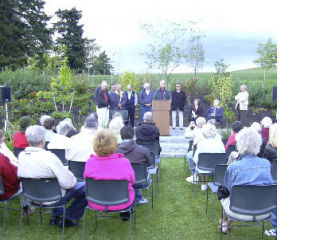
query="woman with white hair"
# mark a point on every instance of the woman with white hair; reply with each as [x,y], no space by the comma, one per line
[210,143]
[248,169]
[60,140]
[270,151]
[256,126]
[242,99]
[115,126]
[266,123]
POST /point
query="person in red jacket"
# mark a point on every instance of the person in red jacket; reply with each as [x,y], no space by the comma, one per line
[10,181]
[19,138]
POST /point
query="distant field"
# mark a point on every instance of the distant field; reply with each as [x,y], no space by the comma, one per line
[252,76]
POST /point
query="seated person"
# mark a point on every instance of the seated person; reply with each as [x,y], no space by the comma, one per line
[196,110]
[42,119]
[116,124]
[256,126]
[215,112]
[247,170]
[236,127]
[6,151]
[266,123]
[81,144]
[105,164]
[36,162]
[72,131]
[19,138]
[60,140]
[210,143]
[136,154]
[49,125]
[147,131]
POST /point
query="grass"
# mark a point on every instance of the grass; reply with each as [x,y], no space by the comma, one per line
[176,215]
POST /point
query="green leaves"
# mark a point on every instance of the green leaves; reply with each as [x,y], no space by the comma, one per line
[268,54]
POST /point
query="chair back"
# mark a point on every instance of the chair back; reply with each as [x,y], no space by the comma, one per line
[107,192]
[46,145]
[219,172]
[41,190]
[141,173]
[1,187]
[61,154]
[77,168]
[153,160]
[152,146]
[190,145]
[274,171]
[208,161]
[17,151]
[231,148]
[253,200]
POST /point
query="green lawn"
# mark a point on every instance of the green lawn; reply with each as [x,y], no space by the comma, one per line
[176,215]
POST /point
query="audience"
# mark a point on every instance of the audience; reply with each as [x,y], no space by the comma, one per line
[270,151]
[266,123]
[19,138]
[248,170]
[196,110]
[136,154]
[256,126]
[108,165]
[215,112]
[49,125]
[72,130]
[211,143]
[116,124]
[60,140]
[236,127]
[147,130]
[81,144]
[36,162]
[6,151]
[43,118]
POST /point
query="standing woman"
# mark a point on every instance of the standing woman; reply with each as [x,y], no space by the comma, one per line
[242,99]
[196,110]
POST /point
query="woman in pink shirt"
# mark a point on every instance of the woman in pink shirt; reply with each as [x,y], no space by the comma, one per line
[108,165]
[236,127]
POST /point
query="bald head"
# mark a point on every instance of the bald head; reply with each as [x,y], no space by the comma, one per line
[147,117]
[162,84]
[146,86]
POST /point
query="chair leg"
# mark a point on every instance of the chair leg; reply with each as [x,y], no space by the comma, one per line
[130,224]
[96,220]
[212,207]
[40,212]
[4,217]
[262,234]
[20,227]
[63,221]
[148,216]
[207,202]
[134,220]
[221,224]
[152,194]
[83,223]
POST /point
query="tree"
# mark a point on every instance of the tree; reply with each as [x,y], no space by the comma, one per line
[127,78]
[102,65]
[268,57]
[71,36]
[23,32]
[195,55]
[221,68]
[91,50]
[166,52]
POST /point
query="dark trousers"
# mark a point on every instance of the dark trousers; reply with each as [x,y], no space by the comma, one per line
[242,116]
[131,114]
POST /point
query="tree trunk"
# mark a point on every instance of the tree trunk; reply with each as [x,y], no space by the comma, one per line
[264,77]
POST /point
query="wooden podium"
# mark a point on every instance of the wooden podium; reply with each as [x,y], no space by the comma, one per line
[161,116]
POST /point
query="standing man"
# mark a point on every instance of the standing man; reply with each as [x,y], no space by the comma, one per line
[177,106]
[162,93]
[102,100]
[129,101]
[145,99]
[242,99]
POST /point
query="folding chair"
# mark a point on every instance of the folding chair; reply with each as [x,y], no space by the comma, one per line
[218,180]
[274,171]
[253,201]
[115,192]
[61,154]
[17,151]
[153,170]
[39,192]
[77,168]
[141,176]
[2,191]
[207,162]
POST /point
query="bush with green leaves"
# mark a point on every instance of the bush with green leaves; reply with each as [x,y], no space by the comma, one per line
[127,78]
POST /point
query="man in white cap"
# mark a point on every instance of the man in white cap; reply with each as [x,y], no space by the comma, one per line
[103,103]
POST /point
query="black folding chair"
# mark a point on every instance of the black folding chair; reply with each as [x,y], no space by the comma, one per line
[17,151]
[77,168]
[274,171]
[218,180]
[115,192]
[61,154]
[207,162]
[39,192]
[231,148]
[5,202]
[252,201]
[141,176]
[153,170]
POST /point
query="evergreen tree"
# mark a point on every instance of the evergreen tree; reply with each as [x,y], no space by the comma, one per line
[71,36]
[101,64]
[23,32]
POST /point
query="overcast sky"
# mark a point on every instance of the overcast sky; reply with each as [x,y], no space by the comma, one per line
[233,28]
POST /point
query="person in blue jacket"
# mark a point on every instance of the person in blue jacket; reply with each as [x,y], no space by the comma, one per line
[215,112]
[145,100]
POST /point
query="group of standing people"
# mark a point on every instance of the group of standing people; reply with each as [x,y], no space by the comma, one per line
[117,100]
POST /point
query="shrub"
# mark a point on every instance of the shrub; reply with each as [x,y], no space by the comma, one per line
[127,78]
[221,90]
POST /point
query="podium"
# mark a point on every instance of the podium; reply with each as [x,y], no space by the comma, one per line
[161,116]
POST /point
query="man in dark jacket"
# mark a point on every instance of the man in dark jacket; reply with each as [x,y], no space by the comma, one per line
[147,131]
[162,93]
[129,101]
[136,154]
[177,106]
[115,98]
[103,103]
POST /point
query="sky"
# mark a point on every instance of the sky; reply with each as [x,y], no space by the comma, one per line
[233,29]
